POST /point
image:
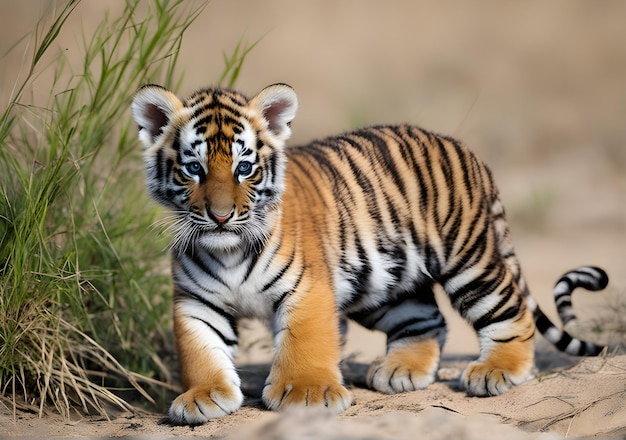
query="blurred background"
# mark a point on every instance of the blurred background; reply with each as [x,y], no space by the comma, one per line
[537,89]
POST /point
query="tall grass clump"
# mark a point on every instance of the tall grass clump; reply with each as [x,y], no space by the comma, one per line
[82,299]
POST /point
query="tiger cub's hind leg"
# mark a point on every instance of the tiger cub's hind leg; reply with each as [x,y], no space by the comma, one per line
[505,361]
[410,364]
[493,303]
[415,332]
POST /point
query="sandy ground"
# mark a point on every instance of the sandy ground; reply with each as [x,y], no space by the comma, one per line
[536,88]
[585,400]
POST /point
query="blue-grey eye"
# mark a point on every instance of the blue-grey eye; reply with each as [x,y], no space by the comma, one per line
[193,168]
[244,168]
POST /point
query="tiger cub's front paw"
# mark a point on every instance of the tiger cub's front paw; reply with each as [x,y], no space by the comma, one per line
[283,394]
[486,379]
[199,404]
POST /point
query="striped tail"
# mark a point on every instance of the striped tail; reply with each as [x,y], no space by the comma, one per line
[588,277]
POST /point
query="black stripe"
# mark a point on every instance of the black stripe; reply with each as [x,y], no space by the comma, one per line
[285,294]
[564,341]
[232,321]
[455,216]
[493,316]
[432,171]
[428,188]
[195,259]
[194,100]
[464,168]
[569,282]
[383,155]
[585,279]
[280,273]
[195,281]
[272,159]
[405,331]
[433,265]
[176,141]
[199,110]
[253,260]
[201,124]
[229,342]
[400,325]
[473,250]
[454,207]
[232,121]
[158,165]
[466,296]
[542,322]
[563,303]
[366,187]
[393,213]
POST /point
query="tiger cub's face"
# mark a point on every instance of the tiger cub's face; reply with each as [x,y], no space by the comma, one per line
[217,161]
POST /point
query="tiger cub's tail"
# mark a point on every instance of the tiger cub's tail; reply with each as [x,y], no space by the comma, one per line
[588,277]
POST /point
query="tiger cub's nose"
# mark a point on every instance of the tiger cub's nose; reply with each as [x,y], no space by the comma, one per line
[221,218]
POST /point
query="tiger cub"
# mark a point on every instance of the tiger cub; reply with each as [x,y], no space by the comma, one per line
[359,226]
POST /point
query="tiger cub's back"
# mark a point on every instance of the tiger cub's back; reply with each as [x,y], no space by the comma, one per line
[395,205]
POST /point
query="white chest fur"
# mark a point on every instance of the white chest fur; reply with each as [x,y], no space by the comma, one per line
[237,283]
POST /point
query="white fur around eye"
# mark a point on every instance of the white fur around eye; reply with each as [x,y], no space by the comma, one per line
[244,149]
[244,141]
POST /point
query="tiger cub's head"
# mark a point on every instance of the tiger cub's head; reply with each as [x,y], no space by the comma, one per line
[217,161]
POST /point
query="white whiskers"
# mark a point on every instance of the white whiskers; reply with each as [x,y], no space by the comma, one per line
[186,232]
[183,231]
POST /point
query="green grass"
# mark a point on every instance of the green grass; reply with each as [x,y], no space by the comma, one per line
[234,62]
[84,282]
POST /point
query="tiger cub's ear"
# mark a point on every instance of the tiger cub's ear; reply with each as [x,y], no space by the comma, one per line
[152,109]
[278,104]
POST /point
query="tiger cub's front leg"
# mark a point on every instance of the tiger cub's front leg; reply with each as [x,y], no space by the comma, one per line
[211,384]
[305,371]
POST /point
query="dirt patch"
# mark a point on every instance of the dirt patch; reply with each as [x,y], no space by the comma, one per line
[581,401]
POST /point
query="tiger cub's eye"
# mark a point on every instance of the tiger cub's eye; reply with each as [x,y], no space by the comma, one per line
[193,168]
[244,168]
